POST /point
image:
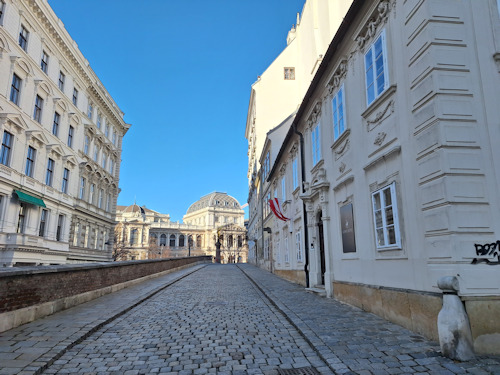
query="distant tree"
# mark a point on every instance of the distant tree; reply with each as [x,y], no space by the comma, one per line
[120,250]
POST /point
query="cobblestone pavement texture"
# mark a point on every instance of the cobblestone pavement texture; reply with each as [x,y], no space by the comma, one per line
[226,319]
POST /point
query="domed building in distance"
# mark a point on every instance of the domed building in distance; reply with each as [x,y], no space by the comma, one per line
[142,233]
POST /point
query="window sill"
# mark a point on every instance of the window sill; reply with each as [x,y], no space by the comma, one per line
[341,139]
[317,166]
[379,100]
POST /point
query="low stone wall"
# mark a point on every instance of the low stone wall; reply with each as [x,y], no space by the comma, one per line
[298,277]
[30,293]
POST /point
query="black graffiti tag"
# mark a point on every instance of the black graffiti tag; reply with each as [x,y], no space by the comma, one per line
[486,252]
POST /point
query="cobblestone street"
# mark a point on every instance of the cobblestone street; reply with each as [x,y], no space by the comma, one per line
[226,319]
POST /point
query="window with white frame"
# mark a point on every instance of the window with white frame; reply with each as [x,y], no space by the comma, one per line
[30,162]
[37,111]
[106,130]
[298,246]
[50,172]
[108,203]
[96,153]
[71,132]
[86,144]
[81,195]
[6,149]
[90,110]
[23,37]
[376,70]
[43,222]
[99,120]
[267,166]
[111,165]
[104,160]
[338,107]
[65,181]
[62,79]
[59,230]
[286,249]
[75,96]
[113,137]
[44,61]
[385,217]
[101,198]
[91,193]
[295,173]
[316,144]
[15,89]
[55,123]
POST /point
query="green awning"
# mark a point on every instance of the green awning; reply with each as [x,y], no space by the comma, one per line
[26,198]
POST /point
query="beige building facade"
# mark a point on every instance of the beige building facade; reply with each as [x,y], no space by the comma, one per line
[389,170]
[142,233]
[61,144]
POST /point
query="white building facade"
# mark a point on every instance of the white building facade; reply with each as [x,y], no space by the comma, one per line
[394,148]
[58,126]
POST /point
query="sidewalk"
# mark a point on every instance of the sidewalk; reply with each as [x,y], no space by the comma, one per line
[353,341]
[32,347]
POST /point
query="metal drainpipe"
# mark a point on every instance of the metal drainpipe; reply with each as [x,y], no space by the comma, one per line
[302,179]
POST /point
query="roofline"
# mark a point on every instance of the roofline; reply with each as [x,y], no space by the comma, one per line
[323,67]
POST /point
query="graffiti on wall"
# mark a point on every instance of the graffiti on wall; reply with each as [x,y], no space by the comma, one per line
[488,253]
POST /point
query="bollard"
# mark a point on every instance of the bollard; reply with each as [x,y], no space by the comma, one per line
[455,337]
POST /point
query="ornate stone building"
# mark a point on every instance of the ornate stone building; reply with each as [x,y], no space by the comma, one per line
[388,170]
[61,144]
[142,233]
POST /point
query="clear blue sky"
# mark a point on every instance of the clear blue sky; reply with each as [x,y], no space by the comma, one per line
[182,73]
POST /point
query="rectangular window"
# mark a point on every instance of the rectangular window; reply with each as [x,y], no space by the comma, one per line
[81,195]
[23,37]
[283,188]
[295,173]
[99,120]
[289,73]
[101,198]
[278,251]
[44,62]
[43,222]
[65,180]
[15,89]
[75,96]
[62,78]
[377,78]
[267,165]
[76,234]
[111,166]
[298,246]
[96,152]
[37,112]
[55,124]
[2,10]
[108,203]
[338,108]
[106,131]
[104,160]
[50,172]
[59,231]
[21,221]
[70,136]
[91,194]
[30,162]
[6,150]
[114,137]
[385,217]
[316,145]
[86,144]
[90,110]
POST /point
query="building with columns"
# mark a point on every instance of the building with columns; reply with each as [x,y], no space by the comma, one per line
[142,233]
[61,144]
[388,171]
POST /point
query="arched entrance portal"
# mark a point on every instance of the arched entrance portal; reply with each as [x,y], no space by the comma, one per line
[321,241]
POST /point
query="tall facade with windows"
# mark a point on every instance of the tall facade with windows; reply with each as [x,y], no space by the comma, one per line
[47,85]
[401,187]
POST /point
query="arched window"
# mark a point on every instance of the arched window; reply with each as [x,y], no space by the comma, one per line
[230,241]
[198,241]
[181,240]
[172,240]
[153,238]
[163,240]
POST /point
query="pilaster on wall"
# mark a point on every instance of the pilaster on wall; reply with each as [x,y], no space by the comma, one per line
[445,116]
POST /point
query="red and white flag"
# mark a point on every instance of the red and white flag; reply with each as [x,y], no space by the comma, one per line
[276,208]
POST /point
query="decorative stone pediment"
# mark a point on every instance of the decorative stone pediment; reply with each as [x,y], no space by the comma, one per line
[315,115]
[13,120]
[337,77]
[70,159]
[378,18]
[22,64]
[37,136]
[55,150]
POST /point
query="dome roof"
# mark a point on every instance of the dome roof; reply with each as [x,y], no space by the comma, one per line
[134,208]
[215,199]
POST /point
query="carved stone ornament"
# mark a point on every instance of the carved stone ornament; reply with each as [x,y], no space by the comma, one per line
[342,167]
[380,138]
[380,116]
[315,115]
[342,149]
[337,77]
[294,149]
[379,17]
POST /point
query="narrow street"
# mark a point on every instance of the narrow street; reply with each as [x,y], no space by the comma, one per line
[228,319]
